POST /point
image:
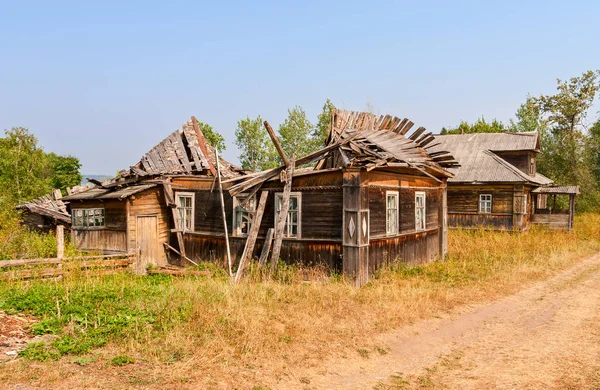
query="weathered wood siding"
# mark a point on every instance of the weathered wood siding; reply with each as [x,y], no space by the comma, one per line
[418,248]
[521,160]
[463,206]
[150,202]
[112,237]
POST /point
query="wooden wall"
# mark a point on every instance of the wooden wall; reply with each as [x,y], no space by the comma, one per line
[150,202]
[418,248]
[112,237]
[463,206]
[521,160]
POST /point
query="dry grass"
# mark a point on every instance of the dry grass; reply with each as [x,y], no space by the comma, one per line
[208,324]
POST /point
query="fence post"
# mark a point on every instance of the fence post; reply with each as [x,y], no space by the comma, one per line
[60,241]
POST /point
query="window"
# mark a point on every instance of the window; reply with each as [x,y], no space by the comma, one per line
[525,203]
[420,211]
[485,203]
[542,201]
[185,205]
[292,224]
[391,209]
[242,216]
[88,217]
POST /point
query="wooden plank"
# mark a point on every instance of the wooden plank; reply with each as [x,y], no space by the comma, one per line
[251,241]
[168,190]
[266,247]
[282,215]
[177,142]
[223,212]
[284,158]
[203,146]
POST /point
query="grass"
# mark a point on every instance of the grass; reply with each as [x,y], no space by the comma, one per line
[161,320]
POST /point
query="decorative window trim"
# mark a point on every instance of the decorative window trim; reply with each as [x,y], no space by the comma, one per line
[485,202]
[394,231]
[192,195]
[82,221]
[525,204]
[237,199]
[424,227]
[292,194]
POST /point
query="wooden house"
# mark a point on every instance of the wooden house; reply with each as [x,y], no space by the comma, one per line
[375,196]
[497,184]
[45,213]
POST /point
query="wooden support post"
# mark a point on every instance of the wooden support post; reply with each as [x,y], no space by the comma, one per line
[518,210]
[571,211]
[282,215]
[284,158]
[60,241]
[266,248]
[171,203]
[443,221]
[223,212]
[355,226]
[252,234]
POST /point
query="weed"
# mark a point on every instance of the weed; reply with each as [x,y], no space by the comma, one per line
[363,353]
[122,360]
[40,352]
[84,360]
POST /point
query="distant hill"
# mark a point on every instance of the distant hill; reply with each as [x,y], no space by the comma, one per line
[97,177]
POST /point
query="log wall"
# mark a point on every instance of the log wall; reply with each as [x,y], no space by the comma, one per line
[112,237]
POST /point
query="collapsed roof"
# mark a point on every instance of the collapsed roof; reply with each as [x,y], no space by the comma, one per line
[479,161]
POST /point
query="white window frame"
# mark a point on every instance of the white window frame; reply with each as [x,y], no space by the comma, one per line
[525,211]
[85,212]
[485,203]
[279,195]
[424,227]
[542,200]
[392,230]
[192,195]
[237,228]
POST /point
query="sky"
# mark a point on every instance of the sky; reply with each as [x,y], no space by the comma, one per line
[106,81]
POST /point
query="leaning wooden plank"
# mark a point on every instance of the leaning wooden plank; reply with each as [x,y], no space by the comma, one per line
[169,195]
[251,241]
[266,248]
[277,144]
[203,146]
[223,211]
[177,143]
[282,215]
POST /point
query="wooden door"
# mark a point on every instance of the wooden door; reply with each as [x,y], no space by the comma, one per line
[146,242]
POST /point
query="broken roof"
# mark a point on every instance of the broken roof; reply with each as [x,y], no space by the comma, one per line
[374,142]
[109,193]
[47,206]
[557,190]
[479,162]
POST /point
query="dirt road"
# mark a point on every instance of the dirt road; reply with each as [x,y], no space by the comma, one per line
[544,337]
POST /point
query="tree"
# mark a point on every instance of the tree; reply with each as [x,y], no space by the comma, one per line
[480,126]
[253,141]
[64,171]
[570,150]
[295,133]
[321,130]
[24,169]
[214,138]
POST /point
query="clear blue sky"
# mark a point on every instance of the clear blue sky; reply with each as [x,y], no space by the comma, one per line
[106,81]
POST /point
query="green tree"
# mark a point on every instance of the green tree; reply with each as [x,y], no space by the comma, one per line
[569,149]
[257,150]
[321,130]
[480,126]
[24,168]
[214,138]
[64,171]
[295,133]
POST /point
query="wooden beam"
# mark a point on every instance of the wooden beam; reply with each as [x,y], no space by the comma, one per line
[284,158]
[252,234]
[282,215]
[203,146]
[168,190]
[266,247]
[223,210]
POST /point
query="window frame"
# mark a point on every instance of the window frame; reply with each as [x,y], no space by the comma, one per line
[236,202]
[424,195]
[491,203]
[298,195]
[396,195]
[540,202]
[525,204]
[84,217]
[192,195]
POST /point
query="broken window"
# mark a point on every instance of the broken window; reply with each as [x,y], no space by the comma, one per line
[292,223]
[185,205]
[420,211]
[243,214]
[542,201]
[391,216]
[485,203]
[88,217]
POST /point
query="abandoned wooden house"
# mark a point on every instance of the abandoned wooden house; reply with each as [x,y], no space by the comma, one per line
[45,213]
[374,196]
[497,184]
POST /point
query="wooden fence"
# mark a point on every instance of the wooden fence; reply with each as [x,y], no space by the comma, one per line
[56,268]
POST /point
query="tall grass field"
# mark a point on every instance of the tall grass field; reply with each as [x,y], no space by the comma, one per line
[300,315]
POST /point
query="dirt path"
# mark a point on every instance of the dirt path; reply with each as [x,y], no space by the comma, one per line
[547,336]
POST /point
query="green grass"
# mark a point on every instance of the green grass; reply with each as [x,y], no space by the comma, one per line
[165,319]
